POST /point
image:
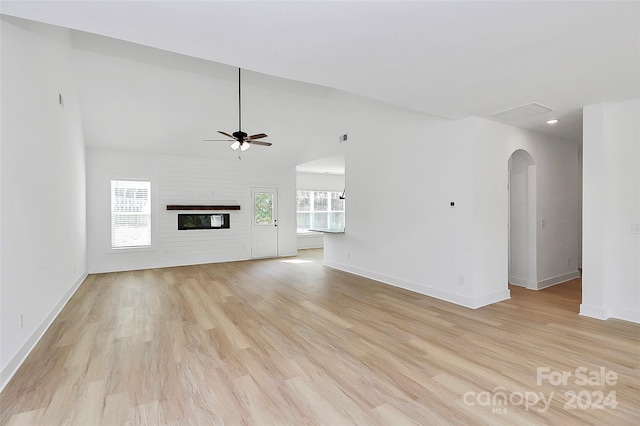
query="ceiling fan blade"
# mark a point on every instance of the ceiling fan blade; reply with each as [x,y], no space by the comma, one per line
[227,135]
[257,136]
[260,143]
[218,140]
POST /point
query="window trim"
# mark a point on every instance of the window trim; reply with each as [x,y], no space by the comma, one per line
[152,218]
[311,233]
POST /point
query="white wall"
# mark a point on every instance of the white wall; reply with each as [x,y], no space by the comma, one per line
[611,205]
[400,226]
[320,181]
[183,180]
[402,230]
[557,203]
[310,240]
[43,185]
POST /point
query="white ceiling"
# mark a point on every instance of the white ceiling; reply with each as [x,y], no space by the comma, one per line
[449,59]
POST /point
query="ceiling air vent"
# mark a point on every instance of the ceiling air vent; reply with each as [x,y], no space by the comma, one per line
[522,111]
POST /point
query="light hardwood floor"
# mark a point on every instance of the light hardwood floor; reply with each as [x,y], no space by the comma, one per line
[288,341]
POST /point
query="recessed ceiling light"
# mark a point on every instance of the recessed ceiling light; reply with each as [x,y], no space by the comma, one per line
[553,121]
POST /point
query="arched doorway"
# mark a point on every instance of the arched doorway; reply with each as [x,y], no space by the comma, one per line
[522,220]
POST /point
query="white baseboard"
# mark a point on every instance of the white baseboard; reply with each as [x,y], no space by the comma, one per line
[539,285]
[519,281]
[558,279]
[594,312]
[490,299]
[625,315]
[468,302]
[604,313]
[12,366]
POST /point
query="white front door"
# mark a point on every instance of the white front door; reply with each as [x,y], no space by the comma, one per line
[264,226]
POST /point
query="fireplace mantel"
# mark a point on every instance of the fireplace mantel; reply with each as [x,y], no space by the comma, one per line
[201,207]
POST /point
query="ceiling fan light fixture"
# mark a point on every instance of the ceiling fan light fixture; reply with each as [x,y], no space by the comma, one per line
[241,139]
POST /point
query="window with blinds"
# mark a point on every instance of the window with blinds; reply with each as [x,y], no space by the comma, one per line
[130,213]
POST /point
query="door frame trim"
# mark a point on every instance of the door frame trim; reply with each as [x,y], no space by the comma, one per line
[254,189]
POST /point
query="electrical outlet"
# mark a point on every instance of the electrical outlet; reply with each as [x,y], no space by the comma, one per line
[635,228]
[460,280]
[20,320]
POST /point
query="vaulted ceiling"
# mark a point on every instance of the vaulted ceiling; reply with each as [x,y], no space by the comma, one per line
[449,59]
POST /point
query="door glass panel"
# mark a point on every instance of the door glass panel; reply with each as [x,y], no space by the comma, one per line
[264,208]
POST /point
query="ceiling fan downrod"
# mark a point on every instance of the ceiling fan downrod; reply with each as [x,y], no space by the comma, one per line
[240,104]
[240,139]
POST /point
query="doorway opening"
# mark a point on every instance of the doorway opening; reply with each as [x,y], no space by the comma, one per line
[522,220]
[320,188]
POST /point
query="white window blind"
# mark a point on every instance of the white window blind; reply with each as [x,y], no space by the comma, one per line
[130,213]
